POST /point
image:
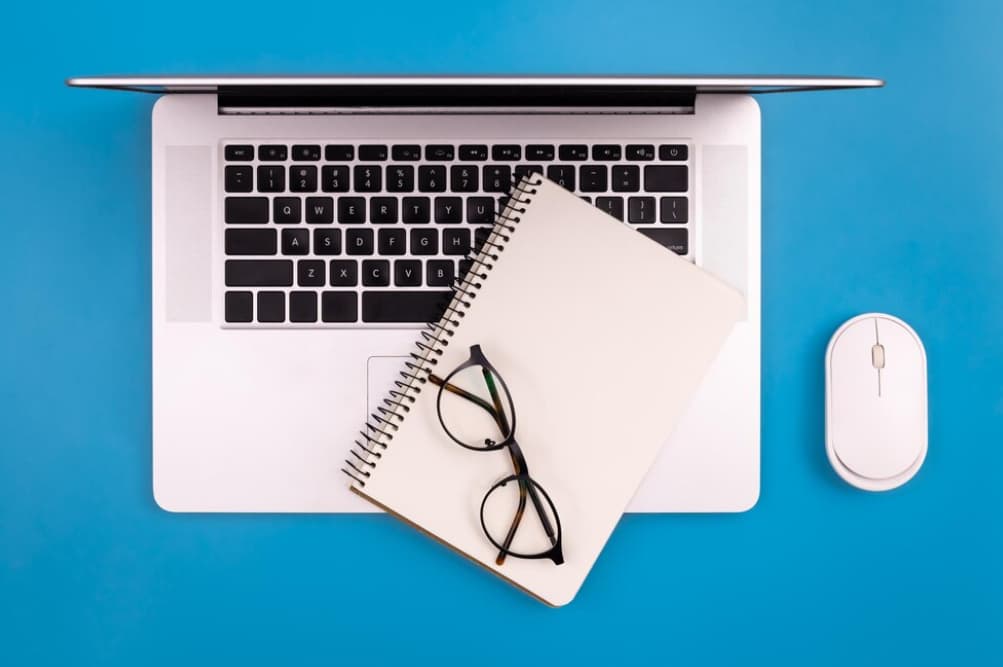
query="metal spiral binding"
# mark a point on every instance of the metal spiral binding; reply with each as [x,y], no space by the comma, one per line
[383,423]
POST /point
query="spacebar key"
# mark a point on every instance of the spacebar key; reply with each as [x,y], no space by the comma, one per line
[399,306]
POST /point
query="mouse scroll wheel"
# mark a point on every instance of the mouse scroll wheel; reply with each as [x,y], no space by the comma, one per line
[878,356]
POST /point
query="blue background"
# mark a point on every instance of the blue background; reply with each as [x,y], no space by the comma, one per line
[872,200]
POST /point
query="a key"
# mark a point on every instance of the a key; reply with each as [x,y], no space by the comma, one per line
[334,178]
[238,306]
[271,178]
[455,241]
[593,178]
[359,241]
[391,241]
[432,178]
[675,239]
[563,175]
[673,152]
[463,178]
[295,241]
[473,152]
[306,153]
[400,178]
[611,205]
[372,153]
[271,307]
[302,306]
[408,152]
[258,272]
[271,153]
[339,153]
[344,273]
[572,152]
[674,210]
[448,210]
[439,152]
[250,242]
[424,241]
[480,210]
[239,153]
[506,152]
[497,178]
[640,152]
[527,169]
[245,210]
[319,210]
[641,210]
[481,235]
[665,178]
[416,210]
[407,273]
[626,178]
[404,306]
[311,273]
[327,241]
[238,179]
[586,199]
[383,210]
[339,307]
[375,273]
[303,178]
[440,272]
[287,210]
[368,178]
[544,152]
[351,210]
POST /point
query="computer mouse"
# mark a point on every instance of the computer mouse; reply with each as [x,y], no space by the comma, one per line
[876,402]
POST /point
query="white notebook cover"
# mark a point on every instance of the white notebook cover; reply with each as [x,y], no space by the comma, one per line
[602,337]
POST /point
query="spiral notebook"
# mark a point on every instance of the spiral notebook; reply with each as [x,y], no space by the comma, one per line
[600,338]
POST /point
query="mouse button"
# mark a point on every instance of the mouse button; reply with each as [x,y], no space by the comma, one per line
[853,407]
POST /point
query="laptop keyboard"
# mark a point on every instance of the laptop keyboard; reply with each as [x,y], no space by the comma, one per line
[321,234]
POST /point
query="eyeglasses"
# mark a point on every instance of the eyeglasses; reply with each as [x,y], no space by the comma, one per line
[487,424]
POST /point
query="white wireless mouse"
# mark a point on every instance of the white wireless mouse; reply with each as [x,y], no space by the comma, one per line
[875,404]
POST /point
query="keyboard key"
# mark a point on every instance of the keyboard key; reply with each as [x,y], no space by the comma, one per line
[416,210]
[344,273]
[319,210]
[406,152]
[250,242]
[463,178]
[400,178]
[480,210]
[640,152]
[311,273]
[306,153]
[238,307]
[383,210]
[641,210]
[474,152]
[439,152]
[626,178]
[359,242]
[404,306]
[295,241]
[302,306]
[334,178]
[481,235]
[238,179]
[260,272]
[587,200]
[432,178]
[506,152]
[368,178]
[376,273]
[327,241]
[448,210]
[245,210]
[407,273]
[287,210]
[391,241]
[562,175]
[303,179]
[606,152]
[271,179]
[569,152]
[339,153]
[440,271]
[455,241]
[527,170]
[611,205]
[372,153]
[271,153]
[666,178]
[271,307]
[673,152]
[239,153]
[674,209]
[339,307]
[543,152]
[425,241]
[593,178]
[351,210]
[675,239]
[497,178]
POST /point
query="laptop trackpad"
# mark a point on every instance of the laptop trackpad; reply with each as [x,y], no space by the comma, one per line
[381,372]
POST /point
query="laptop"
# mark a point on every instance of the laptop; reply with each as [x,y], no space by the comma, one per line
[305,228]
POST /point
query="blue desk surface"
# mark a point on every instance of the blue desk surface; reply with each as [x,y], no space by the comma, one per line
[872,200]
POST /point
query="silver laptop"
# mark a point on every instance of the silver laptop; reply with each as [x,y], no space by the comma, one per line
[304,228]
